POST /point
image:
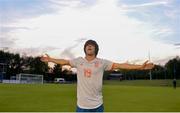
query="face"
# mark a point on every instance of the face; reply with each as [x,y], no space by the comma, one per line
[90,50]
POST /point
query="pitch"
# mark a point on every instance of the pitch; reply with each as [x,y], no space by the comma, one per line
[118,96]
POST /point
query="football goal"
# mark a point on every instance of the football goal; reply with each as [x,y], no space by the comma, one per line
[29,78]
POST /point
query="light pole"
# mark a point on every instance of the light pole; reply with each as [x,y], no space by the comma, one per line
[174,69]
[150,74]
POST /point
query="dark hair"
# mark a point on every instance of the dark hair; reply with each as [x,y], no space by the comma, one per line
[94,43]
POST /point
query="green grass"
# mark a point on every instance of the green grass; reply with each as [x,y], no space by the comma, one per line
[157,83]
[62,97]
[47,97]
[133,98]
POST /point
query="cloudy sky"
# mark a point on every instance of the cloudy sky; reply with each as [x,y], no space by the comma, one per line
[126,30]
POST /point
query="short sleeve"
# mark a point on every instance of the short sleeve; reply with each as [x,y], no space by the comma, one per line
[107,65]
[74,62]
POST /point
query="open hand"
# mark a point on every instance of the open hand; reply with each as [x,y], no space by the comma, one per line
[147,66]
[45,58]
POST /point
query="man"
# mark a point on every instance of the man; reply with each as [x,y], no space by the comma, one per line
[90,75]
[174,83]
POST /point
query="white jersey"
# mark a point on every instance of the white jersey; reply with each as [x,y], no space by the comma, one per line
[89,81]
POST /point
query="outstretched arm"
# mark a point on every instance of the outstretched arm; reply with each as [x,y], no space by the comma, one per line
[57,61]
[145,66]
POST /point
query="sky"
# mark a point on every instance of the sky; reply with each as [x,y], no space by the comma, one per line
[126,30]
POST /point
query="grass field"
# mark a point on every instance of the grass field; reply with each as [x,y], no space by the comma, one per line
[123,96]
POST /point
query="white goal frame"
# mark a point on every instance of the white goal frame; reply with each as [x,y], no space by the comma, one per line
[25,78]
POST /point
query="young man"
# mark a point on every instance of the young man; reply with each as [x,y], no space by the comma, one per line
[174,83]
[90,76]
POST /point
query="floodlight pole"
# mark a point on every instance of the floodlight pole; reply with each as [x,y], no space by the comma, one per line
[150,74]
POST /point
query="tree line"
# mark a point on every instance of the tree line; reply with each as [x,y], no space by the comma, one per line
[12,64]
[171,70]
[15,64]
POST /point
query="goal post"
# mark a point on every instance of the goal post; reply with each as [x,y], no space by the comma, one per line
[25,78]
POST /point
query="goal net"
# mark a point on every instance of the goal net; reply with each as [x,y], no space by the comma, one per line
[29,78]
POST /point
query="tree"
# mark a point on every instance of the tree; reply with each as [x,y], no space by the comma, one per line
[37,66]
[68,75]
[159,72]
[17,64]
[57,71]
[14,63]
[173,68]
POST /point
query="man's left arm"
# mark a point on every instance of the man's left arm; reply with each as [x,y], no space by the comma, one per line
[145,66]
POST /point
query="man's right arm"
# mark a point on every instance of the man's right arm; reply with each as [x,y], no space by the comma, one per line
[60,61]
[56,61]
